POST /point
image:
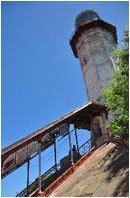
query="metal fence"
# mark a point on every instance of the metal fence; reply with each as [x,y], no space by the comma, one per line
[53,173]
[85,147]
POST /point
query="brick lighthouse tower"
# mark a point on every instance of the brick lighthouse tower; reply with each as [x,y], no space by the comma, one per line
[93,42]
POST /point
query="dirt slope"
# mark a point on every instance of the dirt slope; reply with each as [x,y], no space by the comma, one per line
[104,174]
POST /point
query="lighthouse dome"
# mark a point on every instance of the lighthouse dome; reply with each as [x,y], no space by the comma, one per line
[85,16]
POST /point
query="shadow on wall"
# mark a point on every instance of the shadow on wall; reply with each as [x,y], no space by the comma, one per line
[117,163]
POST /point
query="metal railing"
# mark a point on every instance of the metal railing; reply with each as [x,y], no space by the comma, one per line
[85,147]
[34,185]
[51,175]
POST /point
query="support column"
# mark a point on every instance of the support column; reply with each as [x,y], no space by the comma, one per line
[71,152]
[28,168]
[92,135]
[104,125]
[55,155]
[76,137]
[39,166]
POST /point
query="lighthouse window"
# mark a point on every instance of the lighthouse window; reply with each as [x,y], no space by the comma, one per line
[100,132]
[84,60]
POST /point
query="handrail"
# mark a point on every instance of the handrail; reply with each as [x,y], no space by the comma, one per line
[52,169]
[85,147]
[86,143]
[24,191]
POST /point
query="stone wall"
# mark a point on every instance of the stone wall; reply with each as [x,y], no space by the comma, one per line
[94,48]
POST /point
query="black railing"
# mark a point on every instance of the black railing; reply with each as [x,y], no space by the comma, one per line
[34,185]
[85,147]
[54,172]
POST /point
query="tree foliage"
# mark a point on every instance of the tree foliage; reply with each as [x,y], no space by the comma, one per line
[116,94]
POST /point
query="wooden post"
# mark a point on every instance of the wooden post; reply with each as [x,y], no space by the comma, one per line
[92,135]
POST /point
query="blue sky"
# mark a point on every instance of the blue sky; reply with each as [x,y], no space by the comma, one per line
[41,78]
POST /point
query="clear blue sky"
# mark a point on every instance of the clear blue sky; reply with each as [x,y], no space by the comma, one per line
[41,78]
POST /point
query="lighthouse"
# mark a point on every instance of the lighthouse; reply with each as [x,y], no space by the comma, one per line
[92,43]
